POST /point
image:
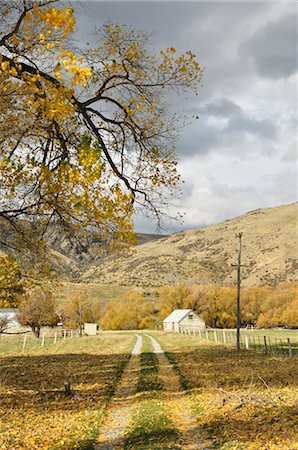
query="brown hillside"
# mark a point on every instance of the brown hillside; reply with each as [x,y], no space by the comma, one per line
[206,255]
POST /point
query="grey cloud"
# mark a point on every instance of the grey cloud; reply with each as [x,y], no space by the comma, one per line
[205,136]
[235,86]
[198,139]
[220,107]
[242,123]
[273,48]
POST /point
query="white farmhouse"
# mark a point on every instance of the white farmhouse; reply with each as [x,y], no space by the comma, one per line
[183,318]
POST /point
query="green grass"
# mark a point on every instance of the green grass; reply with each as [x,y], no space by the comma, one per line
[183,380]
[150,427]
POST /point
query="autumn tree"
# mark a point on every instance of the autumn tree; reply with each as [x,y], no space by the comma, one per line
[262,306]
[78,309]
[38,309]
[87,136]
[11,283]
[131,311]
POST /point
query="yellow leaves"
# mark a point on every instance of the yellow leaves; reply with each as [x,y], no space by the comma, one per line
[36,414]
[5,65]
[54,19]
[80,75]
[57,74]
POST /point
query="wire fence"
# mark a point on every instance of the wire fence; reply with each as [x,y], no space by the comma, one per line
[25,340]
[249,340]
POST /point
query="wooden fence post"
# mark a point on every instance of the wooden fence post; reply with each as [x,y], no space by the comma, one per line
[42,340]
[224,337]
[55,337]
[246,342]
[215,335]
[265,343]
[289,347]
[200,333]
[64,337]
[24,341]
[207,336]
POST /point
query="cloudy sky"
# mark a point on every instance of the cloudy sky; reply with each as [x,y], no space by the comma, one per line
[241,153]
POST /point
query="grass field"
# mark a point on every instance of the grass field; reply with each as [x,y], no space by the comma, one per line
[98,292]
[240,400]
[36,414]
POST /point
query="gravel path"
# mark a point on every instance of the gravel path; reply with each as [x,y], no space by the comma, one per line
[178,405]
[120,410]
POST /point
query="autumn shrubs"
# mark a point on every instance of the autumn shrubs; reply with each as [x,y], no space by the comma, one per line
[262,306]
[131,311]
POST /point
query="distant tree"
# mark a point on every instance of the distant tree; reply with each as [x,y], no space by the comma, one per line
[38,309]
[11,284]
[130,311]
[80,307]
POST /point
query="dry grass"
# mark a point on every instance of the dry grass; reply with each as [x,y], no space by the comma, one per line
[206,254]
[242,400]
[36,413]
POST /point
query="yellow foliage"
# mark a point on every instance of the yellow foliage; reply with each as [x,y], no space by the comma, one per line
[79,308]
[263,306]
[92,134]
[131,311]
[11,284]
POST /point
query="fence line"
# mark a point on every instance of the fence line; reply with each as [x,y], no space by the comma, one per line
[265,344]
[26,340]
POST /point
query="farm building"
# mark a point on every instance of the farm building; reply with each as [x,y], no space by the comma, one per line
[90,329]
[183,318]
[9,314]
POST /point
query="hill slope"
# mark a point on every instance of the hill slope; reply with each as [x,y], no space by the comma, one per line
[204,255]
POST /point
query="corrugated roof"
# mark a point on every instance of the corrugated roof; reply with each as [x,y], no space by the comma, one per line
[177,315]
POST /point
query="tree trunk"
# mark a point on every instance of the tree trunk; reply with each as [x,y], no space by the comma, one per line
[36,330]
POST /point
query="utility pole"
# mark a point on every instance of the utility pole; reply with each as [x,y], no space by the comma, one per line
[80,313]
[239,236]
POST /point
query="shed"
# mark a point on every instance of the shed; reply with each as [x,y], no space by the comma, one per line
[183,318]
[90,329]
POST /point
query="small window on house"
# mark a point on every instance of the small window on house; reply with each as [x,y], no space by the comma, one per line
[190,316]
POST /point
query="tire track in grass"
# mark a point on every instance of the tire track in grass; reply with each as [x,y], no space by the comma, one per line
[150,427]
[178,404]
[120,411]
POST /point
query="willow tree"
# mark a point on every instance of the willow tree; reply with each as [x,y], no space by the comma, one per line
[86,134]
